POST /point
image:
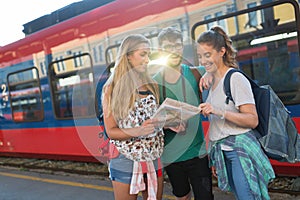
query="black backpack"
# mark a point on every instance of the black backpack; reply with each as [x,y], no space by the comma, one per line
[107,150]
[98,99]
[276,130]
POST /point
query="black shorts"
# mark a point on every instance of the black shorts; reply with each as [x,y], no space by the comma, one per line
[194,172]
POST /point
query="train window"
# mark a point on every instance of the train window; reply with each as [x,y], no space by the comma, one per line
[72,89]
[25,95]
[111,53]
[98,53]
[268,45]
[207,17]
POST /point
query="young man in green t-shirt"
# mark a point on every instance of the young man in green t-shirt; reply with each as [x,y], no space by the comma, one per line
[185,157]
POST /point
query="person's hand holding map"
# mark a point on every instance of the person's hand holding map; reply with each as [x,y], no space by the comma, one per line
[172,113]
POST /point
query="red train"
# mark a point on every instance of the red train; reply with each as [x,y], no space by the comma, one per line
[49,79]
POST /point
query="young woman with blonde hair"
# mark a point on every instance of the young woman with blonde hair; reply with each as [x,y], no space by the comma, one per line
[130,98]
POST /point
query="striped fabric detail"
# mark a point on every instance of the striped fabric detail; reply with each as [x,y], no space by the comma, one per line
[137,181]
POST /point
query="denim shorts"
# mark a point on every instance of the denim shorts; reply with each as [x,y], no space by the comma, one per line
[120,169]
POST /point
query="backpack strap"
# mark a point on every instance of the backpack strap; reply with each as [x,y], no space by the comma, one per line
[196,73]
[197,76]
[100,116]
[227,88]
[101,123]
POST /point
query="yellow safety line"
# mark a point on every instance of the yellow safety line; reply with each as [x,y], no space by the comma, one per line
[57,181]
[70,183]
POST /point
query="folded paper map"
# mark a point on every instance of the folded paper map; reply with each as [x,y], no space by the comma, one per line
[172,112]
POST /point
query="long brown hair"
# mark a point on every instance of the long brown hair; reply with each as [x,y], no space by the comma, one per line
[121,87]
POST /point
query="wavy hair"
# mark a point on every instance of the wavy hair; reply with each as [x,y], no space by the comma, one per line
[121,87]
[217,38]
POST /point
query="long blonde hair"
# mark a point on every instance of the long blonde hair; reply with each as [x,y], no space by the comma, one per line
[121,87]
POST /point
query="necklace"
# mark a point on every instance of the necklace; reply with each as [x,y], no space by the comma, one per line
[147,92]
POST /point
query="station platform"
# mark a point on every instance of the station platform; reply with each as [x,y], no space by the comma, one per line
[16,184]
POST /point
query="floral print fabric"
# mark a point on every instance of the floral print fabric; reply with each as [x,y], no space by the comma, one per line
[143,148]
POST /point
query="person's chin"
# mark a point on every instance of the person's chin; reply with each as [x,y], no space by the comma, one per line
[208,69]
[141,70]
[174,62]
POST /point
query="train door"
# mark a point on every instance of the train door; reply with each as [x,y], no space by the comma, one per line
[267,40]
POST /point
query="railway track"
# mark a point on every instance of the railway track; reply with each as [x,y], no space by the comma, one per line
[54,166]
[286,185]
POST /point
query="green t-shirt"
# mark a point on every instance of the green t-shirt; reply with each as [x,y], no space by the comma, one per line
[182,147]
